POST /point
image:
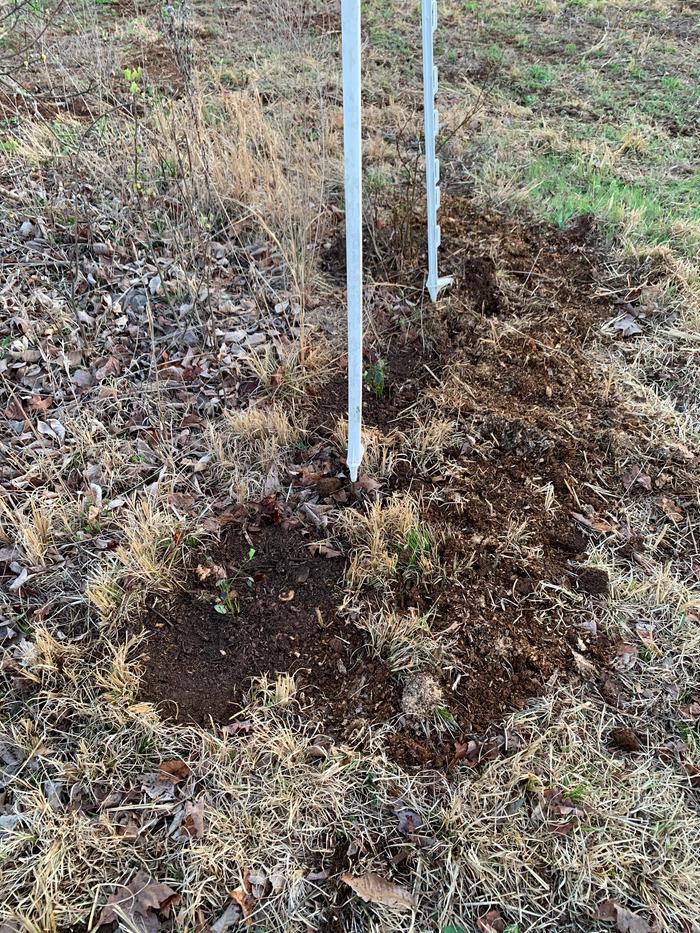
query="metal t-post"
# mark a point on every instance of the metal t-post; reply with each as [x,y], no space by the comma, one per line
[352,143]
[432,165]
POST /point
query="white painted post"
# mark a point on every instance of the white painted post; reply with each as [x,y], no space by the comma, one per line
[352,145]
[432,165]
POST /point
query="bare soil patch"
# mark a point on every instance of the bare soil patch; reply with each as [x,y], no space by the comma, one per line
[264,603]
[509,357]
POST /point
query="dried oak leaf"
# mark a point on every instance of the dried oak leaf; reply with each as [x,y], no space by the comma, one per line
[172,772]
[146,902]
[374,889]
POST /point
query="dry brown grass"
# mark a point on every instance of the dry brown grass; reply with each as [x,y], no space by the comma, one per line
[80,807]
[387,539]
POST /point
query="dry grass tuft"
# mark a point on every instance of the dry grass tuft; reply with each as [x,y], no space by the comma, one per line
[145,562]
[404,639]
[248,448]
[388,539]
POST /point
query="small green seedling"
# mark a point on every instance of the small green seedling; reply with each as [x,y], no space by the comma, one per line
[228,602]
[375,378]
[132,76]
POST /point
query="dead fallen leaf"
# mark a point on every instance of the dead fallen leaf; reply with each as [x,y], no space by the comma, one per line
[491,922]
[315,513]
[231,917]
[627,325]
[626,655]
[193,820]
[111,368]
[558,804]
[691,712]
[671,510]
[367,484]
[594,522]
[409,820]
[634,477]
[625,920]
[82,378]
[606,911]
[172,772]
[373,888]
[626,739]
[245,898]
[323,550]
[20,579]
[238,727]
[41,405]
[272,484]
[142,907]
[183,502]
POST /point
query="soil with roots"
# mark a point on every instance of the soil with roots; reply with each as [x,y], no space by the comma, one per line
[509,355]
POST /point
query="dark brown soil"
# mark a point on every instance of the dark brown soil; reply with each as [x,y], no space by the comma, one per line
[509,355]
[281,617]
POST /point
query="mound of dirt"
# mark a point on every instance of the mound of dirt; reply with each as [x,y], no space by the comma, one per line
[507,356]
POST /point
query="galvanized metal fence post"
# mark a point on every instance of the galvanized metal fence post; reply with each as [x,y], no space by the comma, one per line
[432,165]
[352,144]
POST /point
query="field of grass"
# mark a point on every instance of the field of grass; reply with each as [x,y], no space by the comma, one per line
[171,222]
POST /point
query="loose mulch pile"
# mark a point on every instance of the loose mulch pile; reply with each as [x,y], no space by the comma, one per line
[510,355]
